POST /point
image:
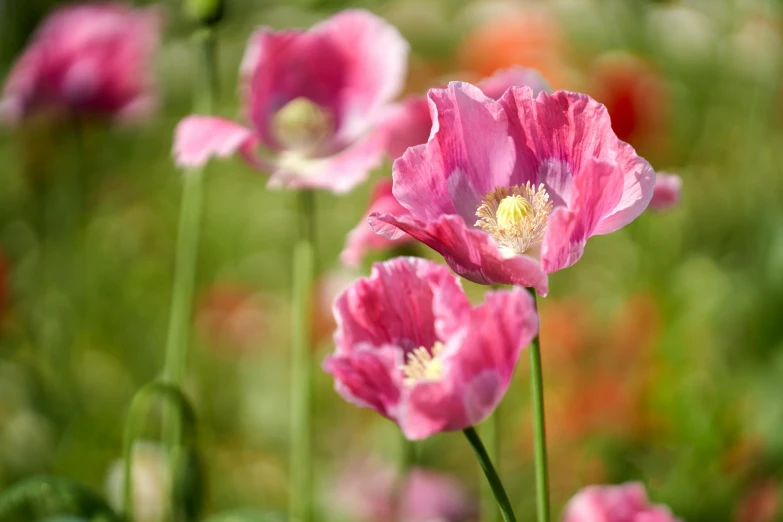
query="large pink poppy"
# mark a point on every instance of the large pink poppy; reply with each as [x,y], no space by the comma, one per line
[410,346]
[509,191]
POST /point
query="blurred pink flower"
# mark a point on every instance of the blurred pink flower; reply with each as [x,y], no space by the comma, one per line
[408,123]
[362,239]
[666,193]
[509,191]
[87,59]
[372,491]
[411,347]
[313,98]
[624,503]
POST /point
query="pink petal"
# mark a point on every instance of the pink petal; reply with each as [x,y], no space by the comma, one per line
[501,80]
[362,239]
[406,124]
[339,173]
[468,154]
[198,138]
[559,137]
[496,334]
[594,192]
[623,503]
[351,64]
[471,253]
[369,377]
[399,295]
[667,191]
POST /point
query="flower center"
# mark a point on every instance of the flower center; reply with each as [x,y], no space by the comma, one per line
[302,125]
[515,216]
[423,365]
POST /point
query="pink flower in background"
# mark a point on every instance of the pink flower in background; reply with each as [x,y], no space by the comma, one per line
[408,123]
[509,191]
[372,491]
[86,59]
[312,98]
[624,503]
[362,239]
[666,193]
[410,346]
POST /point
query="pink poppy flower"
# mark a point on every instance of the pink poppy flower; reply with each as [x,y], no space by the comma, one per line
[313,98]
[373,491]
[411,347]
[624,503]
[408,123]
[362,239]
[509,191]
[666,193]
[87,59]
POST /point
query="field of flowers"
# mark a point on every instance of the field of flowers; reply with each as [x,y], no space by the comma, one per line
[278,254]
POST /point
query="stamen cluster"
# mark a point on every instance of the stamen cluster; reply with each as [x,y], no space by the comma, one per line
[423,365]
[516,217]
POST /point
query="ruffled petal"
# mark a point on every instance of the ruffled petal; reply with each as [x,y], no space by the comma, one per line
[339,173]
[198,138]
[598,189]
[369,377]
[667,191]
[471,253]
[469,153]
[399,296]
[558,138]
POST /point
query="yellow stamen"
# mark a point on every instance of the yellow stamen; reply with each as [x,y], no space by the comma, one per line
[423,365]
[302,124]
[516,217]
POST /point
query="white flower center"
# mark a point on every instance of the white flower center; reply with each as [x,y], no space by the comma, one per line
[423,365]
[302,125]
[515,217]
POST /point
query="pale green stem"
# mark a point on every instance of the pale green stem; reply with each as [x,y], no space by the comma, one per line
[539,429]
[492,476]
[490,431]
[300,460]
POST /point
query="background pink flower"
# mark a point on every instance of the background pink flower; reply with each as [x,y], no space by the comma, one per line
[372,491]
[666,193]
[410,346]
[86,59]
[408,123]
[312,98]
[362,239]
[623,503]
[509,191]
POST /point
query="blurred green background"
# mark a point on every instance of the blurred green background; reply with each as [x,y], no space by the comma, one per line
[663,346]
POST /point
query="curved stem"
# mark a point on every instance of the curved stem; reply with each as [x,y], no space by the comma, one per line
[539,428]
[492,476]
[491,432]
[300,459]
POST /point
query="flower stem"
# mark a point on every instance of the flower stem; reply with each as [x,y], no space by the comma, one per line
[492,477]
[539,429]
[490,431]
[300,459]
[187,247]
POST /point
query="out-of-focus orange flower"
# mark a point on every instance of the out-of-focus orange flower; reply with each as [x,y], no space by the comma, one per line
[527,36]
[636,96]
[761,503]
[230,317]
